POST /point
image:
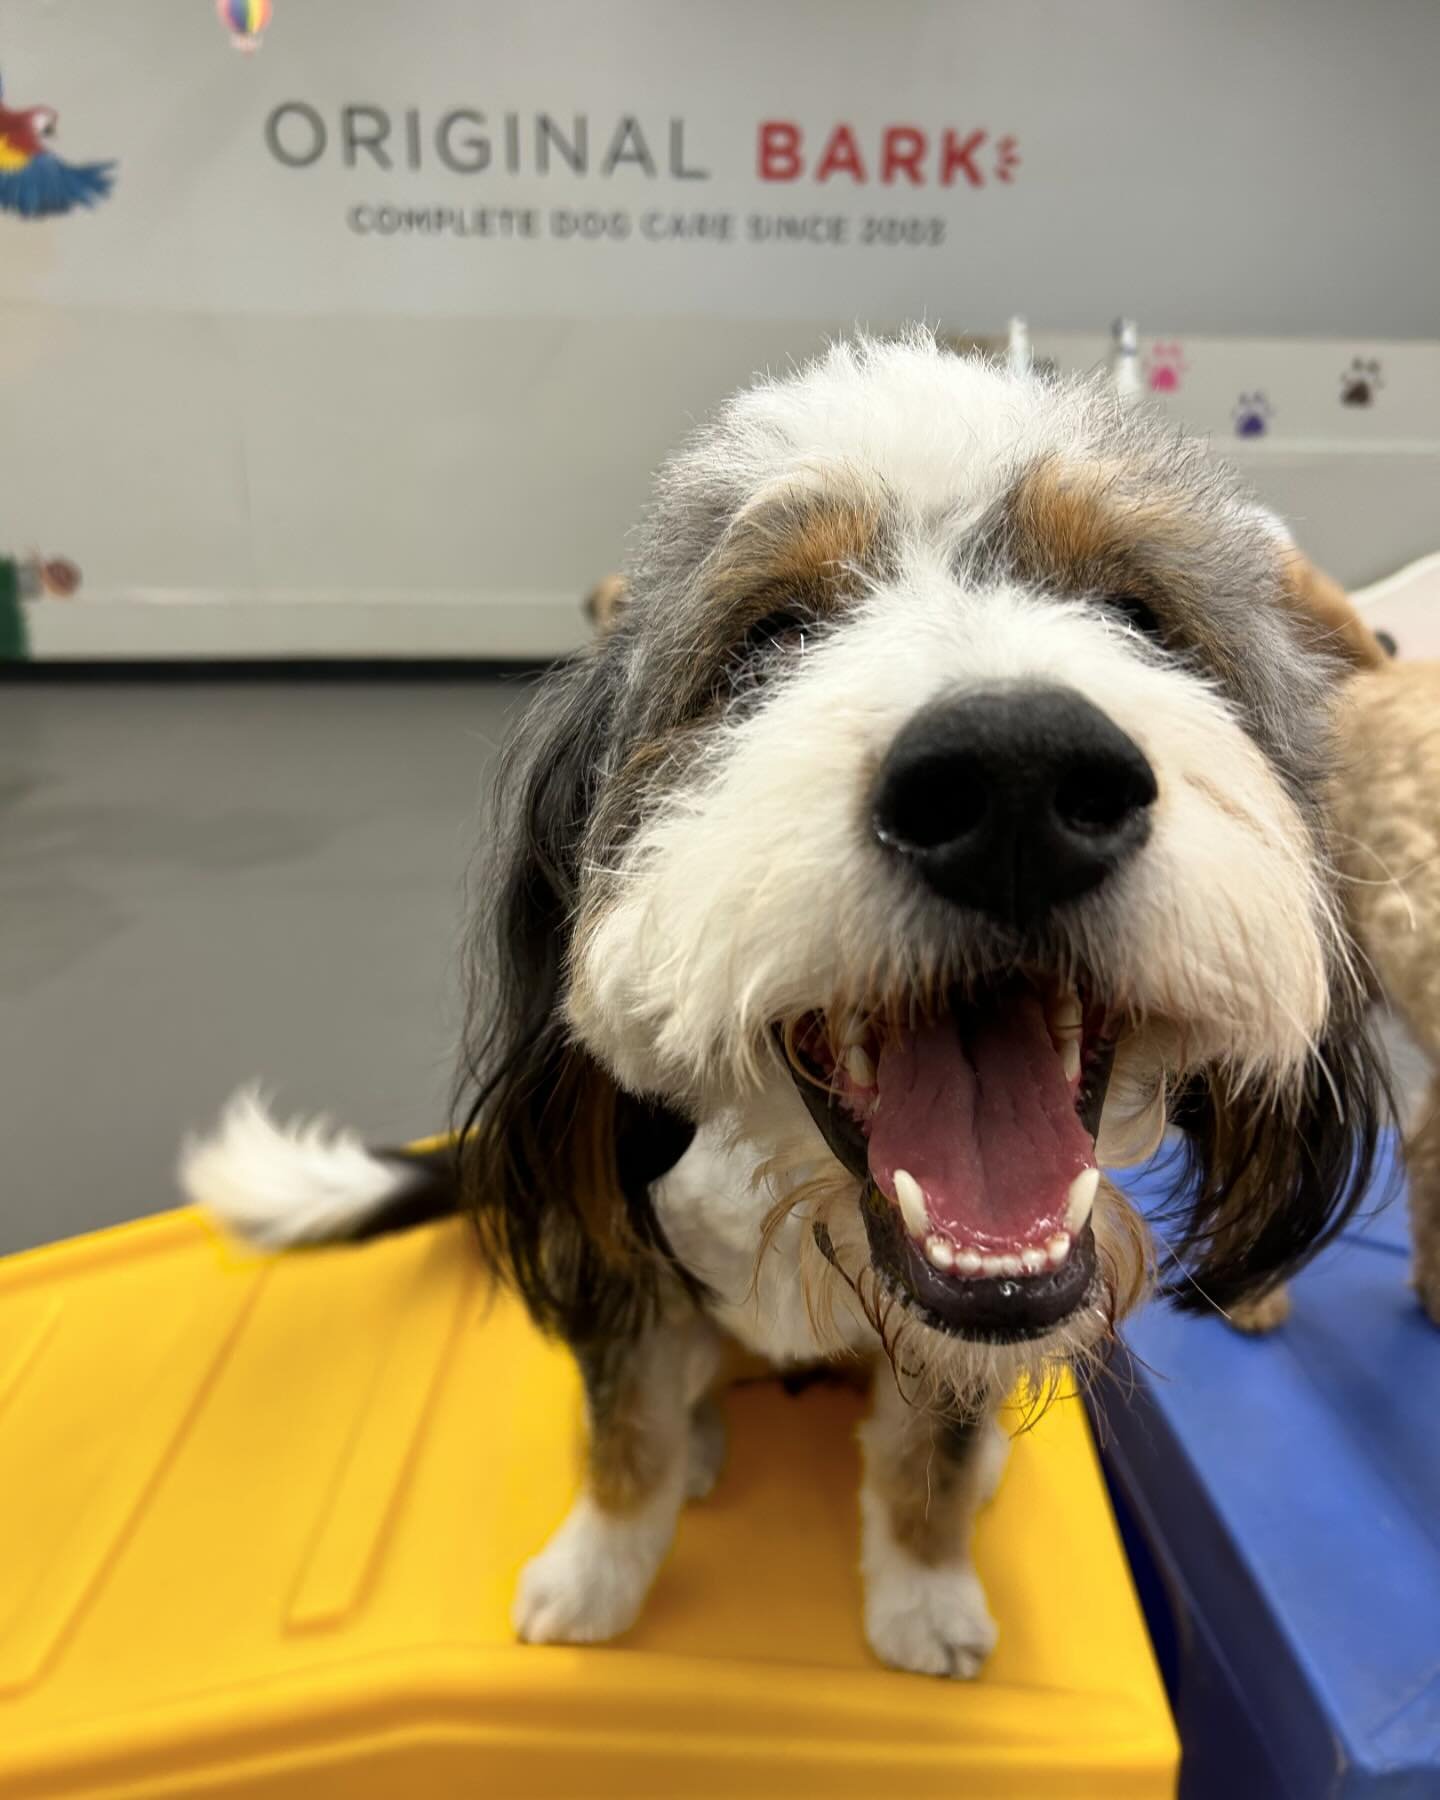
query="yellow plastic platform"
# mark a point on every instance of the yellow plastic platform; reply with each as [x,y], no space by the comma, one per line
[260,1522]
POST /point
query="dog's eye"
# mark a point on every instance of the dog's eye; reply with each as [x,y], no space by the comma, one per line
[770,643]
[1138,614]
[776,634]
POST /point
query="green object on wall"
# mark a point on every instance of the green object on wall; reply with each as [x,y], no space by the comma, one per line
[14,644]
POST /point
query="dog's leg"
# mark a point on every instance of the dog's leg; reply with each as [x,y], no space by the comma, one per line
[591,1579]
[1422,1169]
[926,1475]
[706,1454]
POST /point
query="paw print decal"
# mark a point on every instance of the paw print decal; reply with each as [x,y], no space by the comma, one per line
[1165,369]
[1252,415]
[1360,383]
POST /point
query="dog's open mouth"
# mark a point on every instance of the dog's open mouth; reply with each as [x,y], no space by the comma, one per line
[974,1136]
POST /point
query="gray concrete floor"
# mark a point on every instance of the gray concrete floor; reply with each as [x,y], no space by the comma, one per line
[201,884]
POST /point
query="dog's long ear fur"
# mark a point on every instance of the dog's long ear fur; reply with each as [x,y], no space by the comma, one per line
[1271,1184]
[556,1160]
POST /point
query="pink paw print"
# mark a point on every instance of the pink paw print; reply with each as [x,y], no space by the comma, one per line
[1165,368]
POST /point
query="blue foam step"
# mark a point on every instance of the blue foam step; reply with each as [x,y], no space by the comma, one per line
[1281,1500]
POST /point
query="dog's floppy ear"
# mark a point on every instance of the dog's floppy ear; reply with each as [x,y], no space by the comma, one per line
[556,1159]
[1271,1183]
[1328,611]
[1272,1180]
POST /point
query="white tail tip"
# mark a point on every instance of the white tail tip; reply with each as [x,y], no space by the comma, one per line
[273,1185]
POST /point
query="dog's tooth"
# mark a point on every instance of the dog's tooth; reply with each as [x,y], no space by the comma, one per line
[911,1198]
[992,1265]
[1033,1260]
[1063,1015]
[859,1067]
[969,1262]
[1070,1057]
[1011,1265]
[1057,1248]
[940,1252]
[1080,1199]
[853,1030]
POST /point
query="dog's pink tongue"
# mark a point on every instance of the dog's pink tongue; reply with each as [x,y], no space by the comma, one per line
[982,1117]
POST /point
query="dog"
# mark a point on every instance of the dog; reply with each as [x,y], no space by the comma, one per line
[944,802]
[1387,815]
[1384,802]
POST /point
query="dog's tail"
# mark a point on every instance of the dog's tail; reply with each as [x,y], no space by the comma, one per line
[307,1182]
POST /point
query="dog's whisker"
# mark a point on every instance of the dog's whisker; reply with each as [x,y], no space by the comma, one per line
[1179,1263]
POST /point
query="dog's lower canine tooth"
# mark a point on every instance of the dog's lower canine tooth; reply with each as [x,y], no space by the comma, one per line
[1063,1015]
[1057,1248]
[940,1253]
[1080,1199]
[859,1067]
[852,1031]
[912,1204]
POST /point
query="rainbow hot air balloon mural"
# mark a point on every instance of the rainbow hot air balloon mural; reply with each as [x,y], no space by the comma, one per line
[34,181]
[245,20]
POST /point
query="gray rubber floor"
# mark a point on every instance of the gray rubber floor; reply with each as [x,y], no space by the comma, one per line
[201,884]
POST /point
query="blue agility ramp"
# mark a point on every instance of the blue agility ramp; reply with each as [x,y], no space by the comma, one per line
[1281,1500]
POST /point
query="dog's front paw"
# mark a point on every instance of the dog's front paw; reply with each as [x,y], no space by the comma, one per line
[588,1583]
[932,1621]
[1265,1314]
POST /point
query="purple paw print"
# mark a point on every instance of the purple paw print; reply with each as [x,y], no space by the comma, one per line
[1252,415]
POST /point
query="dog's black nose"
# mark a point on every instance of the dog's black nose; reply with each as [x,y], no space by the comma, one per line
[1014,800]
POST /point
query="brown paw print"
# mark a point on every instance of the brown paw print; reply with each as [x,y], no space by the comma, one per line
[1361,382]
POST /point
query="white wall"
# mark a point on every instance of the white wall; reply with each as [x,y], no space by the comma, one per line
[258,429]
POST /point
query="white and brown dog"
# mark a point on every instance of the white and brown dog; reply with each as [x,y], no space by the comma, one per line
[944,802]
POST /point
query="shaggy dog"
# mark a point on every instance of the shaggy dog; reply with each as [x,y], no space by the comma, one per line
[1384,805]
[945,801]
[1387,817]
